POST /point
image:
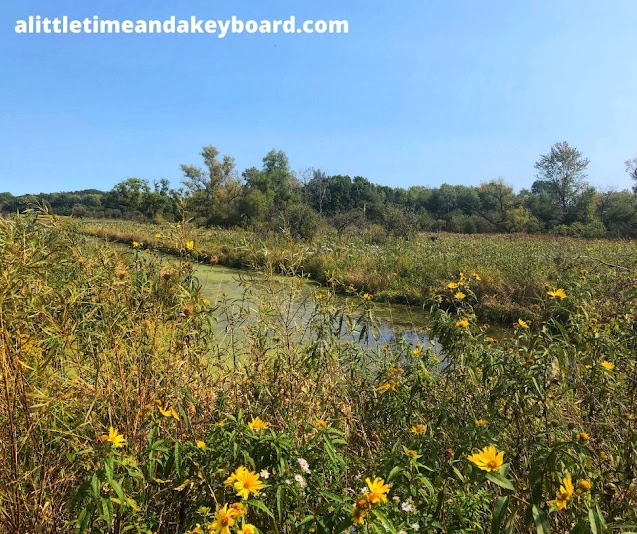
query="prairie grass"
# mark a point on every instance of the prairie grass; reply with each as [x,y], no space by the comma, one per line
[515,270]
[123,408]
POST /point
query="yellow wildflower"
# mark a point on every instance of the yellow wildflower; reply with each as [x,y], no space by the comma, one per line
[557,294]
[416,351]
[195,530]
[169,412]
[201,444]
[237,510]
[459,295]
[136,244]
[489,459]
[377,490]
[158,235]
[453,285]
[609,366]
[223,521]
[361,509]
[463,323]
[476,276]
[523,324]
[412,454]
[584,485]
[480,422]
[247,529]
[320,423]
[114,437]
[258,424]
[368,296]
[564,494]
[190,245]
[245,482]
[419,429]
[582,436]
[387,386]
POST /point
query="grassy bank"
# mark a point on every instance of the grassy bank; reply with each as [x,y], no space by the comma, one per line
[513,272]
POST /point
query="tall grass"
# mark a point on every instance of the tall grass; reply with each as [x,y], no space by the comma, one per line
[124,408]
[515,270]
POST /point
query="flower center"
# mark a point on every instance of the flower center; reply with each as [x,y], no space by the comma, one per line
[492,464]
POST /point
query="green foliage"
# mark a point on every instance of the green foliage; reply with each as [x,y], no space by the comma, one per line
[103,344]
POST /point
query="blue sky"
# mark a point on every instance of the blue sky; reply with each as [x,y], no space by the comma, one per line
[420,92]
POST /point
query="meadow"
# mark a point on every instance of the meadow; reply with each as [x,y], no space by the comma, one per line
[123,409]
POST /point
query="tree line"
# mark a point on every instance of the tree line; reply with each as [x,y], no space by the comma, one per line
[273,197]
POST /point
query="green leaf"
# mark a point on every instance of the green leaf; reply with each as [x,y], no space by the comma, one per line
[306,519]
[279,502]
[541,520]
[458,473]
[600,516]
[108,468]
[501,480]
[596,527]
[581,527]
[394,472]
[118,490]
[261,506]
[510,524]
[384,521]
[499,511]
[178,458]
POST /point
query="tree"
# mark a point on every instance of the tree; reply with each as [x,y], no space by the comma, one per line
[561,176]
[497,204]
[315,188]
[270,190]
[631,169]
[213,190]
[128,195]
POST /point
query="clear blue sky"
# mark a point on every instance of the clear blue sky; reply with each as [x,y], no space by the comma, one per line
[420,92]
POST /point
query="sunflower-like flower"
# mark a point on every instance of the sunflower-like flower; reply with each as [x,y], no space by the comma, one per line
[557,294]
[258,424]
[419,429]
[564,494]
[223,521]
[114,437]
[245,482]
[488,459]
[462,323]
[169,412]
[361,509]
[584,485]
[377,490]
[237,509]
